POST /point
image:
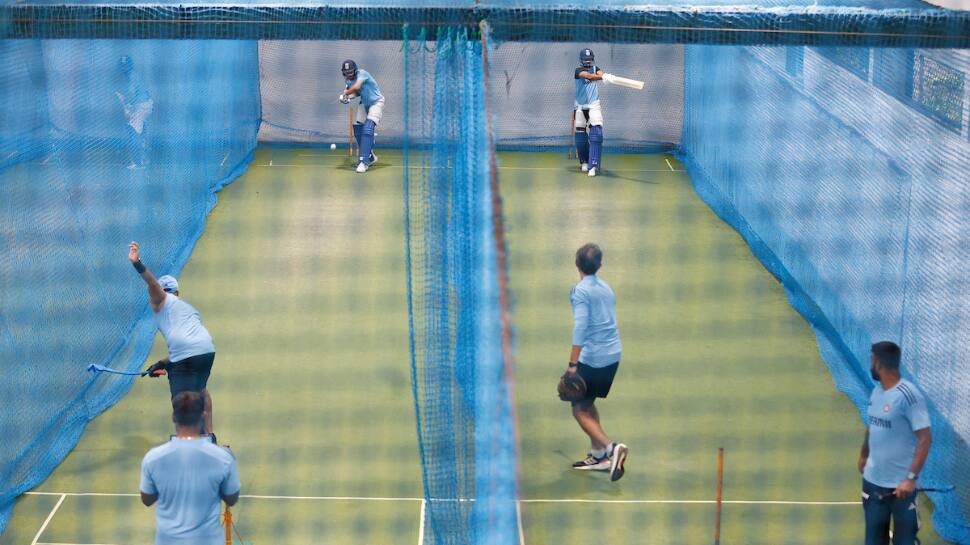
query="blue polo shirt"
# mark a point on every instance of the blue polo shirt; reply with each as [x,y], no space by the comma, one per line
[190,477]
[370,93]
[894,416]
[594,322]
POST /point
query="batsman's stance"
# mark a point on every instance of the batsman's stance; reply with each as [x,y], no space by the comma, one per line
[593,361]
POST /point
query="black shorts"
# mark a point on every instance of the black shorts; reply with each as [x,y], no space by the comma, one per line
[598,379]
[190,374]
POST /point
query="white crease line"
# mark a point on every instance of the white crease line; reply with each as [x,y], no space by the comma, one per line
[418,167]
[669,165]
[695,502]
[518,521]
[50,517]
[421,525]
[534,500]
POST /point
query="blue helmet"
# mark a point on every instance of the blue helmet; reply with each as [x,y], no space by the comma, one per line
[349,69]
[586,57]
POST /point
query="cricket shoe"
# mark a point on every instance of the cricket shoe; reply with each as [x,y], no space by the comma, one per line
[592,172]
[592,463]
[584,167]
[361,167]
[617,459]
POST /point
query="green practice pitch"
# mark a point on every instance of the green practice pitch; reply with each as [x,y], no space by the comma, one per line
[300,278]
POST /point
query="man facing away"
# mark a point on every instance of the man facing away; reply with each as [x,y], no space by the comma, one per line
[187,477]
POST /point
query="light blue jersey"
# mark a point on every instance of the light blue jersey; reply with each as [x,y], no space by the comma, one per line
[135,92]
[594,322]
[894,417]
[587,91]
[370,93]
[190,476]
[182,328]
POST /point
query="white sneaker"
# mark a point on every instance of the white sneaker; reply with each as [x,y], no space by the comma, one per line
[361,167]
[592,172]
[617,458]
[592,463]
[584,167]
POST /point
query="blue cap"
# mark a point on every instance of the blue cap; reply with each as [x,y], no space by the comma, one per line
[169,283]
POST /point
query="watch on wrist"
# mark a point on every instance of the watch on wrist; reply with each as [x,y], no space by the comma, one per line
[911,476]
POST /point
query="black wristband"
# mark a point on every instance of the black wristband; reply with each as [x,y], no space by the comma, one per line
[139,266]
[574,364]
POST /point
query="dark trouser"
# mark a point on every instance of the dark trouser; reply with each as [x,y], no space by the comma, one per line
[190,374]
[880,505]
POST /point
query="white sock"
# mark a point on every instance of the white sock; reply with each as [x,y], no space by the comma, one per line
[601,452]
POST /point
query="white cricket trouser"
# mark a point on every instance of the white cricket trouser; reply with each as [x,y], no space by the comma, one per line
[374,112]
[593,111]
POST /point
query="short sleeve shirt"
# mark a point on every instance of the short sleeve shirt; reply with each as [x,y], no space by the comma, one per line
[190,476]
[894,416]
[370,93]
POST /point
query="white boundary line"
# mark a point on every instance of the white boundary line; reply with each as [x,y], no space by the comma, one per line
[50,516]
[421,525]
[73,544]
[533,500]
[418,167]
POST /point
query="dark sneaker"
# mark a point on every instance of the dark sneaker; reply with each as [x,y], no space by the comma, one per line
[593,463]
[617,458]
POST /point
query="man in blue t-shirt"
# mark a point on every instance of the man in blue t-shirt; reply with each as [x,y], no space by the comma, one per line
[894,451]
[595,357]
[588,116]
[368,113]
[137,105]
[187,477]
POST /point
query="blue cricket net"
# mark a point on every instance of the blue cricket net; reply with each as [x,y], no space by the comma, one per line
[461,383]
[101,143]
[834,136]
[846,171]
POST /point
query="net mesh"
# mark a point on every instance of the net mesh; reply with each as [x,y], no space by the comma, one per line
[71,203]
[834,137]
[461,391]
[851,189]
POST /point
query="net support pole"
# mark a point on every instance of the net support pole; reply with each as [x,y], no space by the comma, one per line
[720,490]
[501,257]
[227,525]
[350,117]
[569,136]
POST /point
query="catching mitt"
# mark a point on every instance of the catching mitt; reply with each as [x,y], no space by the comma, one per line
[572,387]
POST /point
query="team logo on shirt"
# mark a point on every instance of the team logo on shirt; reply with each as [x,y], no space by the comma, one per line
[886,408]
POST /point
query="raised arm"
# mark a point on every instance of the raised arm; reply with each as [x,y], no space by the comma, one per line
[593,76]
[155,293]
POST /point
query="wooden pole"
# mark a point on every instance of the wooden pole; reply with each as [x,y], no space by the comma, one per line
[569,137]
[350,116]
[227,524]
